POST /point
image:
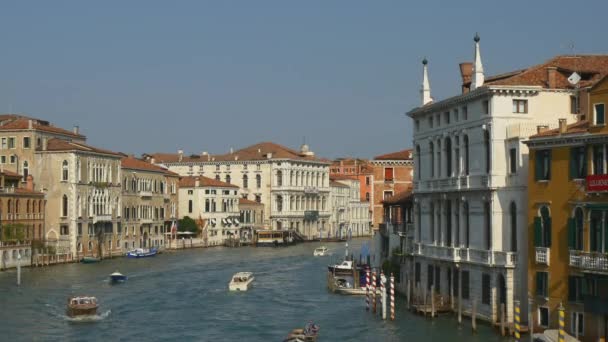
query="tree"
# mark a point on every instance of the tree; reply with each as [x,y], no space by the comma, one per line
[13,232]
[187,224]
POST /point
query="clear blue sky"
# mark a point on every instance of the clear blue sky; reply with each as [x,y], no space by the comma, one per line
[149,76]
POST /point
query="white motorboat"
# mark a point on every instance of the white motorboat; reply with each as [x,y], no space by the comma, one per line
[241,281]
[321,251]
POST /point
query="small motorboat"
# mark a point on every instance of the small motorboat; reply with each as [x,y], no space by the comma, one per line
[308,334]
[89,260]
[118,277]
[82,306]
[142,253]
[241,281]
[346,265]
[320,251]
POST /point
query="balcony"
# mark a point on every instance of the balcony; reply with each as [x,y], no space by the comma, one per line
[542,255]
[589,261]
[311,190]
[145,194]
[102,218]
[467,255]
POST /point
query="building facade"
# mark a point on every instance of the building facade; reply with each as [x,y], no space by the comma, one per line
[568,235]
[214,204]
[358,168]
[471,177]
[251,219]
[292,185]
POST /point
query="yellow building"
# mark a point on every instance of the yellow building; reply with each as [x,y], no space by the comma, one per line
[568,219]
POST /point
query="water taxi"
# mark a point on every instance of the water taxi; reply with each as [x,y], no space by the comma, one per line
[308,334]
[82,306]
[241,281]
[345,266]
[142,253]
[118,277]
[321,251]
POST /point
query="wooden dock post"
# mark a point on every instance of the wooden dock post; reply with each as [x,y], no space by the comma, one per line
[474,315]
[459,297]
[424,301]
[408,300]
[392,297]
[502,319]
[561,333]
[374,301]
[367,290]
[517,320]
[432,301]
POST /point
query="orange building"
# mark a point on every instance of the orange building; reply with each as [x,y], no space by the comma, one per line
[357,168]
[392,174]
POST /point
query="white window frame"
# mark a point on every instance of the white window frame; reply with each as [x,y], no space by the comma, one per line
[516,110]
[14,139]
[581,323]
[548,316]
[595,113]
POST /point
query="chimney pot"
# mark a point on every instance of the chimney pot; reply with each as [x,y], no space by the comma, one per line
[466,70]
[76,129]
[30,124]
[231,150]
[541,128]
[551,77]
[197,182]
[44,143]
[29,183]
[563,126]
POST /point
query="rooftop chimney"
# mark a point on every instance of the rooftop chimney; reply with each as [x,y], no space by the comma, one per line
[152,161]
[29,185]
[197,182]
[231,150]
[44,143]
[425,91]
[541,129]
[478,77]
[551,77]
[30,124]
[466,70]
[76,129]
[563,126]
[180,155]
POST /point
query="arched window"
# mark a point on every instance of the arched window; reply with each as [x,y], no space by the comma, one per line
[579,222]
[513,217]
[245,182]
[27,207]
[258,181]
[418,173]
[26,169]
[64,171]
[542,227]
[279,203]
[595,231]
[465,141]
[279,178]
[64,206]
[448,157]
[432,159]
[367,196]
[487,147]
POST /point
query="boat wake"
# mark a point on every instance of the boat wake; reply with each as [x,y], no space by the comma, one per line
[91,318]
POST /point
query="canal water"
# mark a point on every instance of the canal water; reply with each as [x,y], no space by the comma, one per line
[182,296]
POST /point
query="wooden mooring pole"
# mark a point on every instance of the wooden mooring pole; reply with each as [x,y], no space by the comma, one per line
[474,316]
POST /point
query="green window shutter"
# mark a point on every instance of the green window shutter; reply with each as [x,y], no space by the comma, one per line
[537,232]
[538,172]
[571,288]
[549,165]
[571,233]
[573,162]
[548,231]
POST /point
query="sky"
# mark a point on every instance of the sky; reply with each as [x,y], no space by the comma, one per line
[158,76]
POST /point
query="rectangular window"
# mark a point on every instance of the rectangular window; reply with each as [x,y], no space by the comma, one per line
[520,106]
[543,316]
[456,115]
[417,273]
[575,289]
[446,118]
[574,105]
[11,142]
[598,159]
[465,113]
[485,288]
[438,119]
[4,143]
[13,159]
[578,164]
[543,165]
[542,283]
[367,180]
[430,123]
[388,174]
[513,160]
[598,109]
[465,284]
[486,107]
[190,206]
[387,195]
[417,125]
[429,277]
[2,159]
[26,142]
[190,192]
[577,323]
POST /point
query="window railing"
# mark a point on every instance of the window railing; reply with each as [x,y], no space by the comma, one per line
[591,261]
[542,255]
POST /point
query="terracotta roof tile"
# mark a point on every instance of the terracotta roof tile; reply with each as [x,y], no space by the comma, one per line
[23,123]
[591,68]
[400,197]
[575,128]
[399,155]
[133,163]
[64,145]
[190,182]
[260,151]
[249,202]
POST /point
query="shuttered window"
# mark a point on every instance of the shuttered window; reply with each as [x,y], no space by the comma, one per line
[578,165]
[388,174]
[542,282]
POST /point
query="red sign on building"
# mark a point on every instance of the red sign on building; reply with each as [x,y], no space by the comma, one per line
[596,183]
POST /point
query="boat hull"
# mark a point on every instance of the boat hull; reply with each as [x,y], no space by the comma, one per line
[241,286]
[118,279]
[77,312]
[138,254]
[89,260]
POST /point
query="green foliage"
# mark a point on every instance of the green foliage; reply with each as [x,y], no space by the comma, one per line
[13,232]
[389,267]
[187,224]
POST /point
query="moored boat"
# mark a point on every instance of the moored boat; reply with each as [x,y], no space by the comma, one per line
[82,306]
[320,251]
[142,253]
[241,281]
[118,277]
[89,260]
[345,266]
[308,334]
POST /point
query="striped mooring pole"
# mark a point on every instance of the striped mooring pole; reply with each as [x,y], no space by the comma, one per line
[517,321]
[374,292]
[367,290]
[382,290]
[561,337]
[392,297]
